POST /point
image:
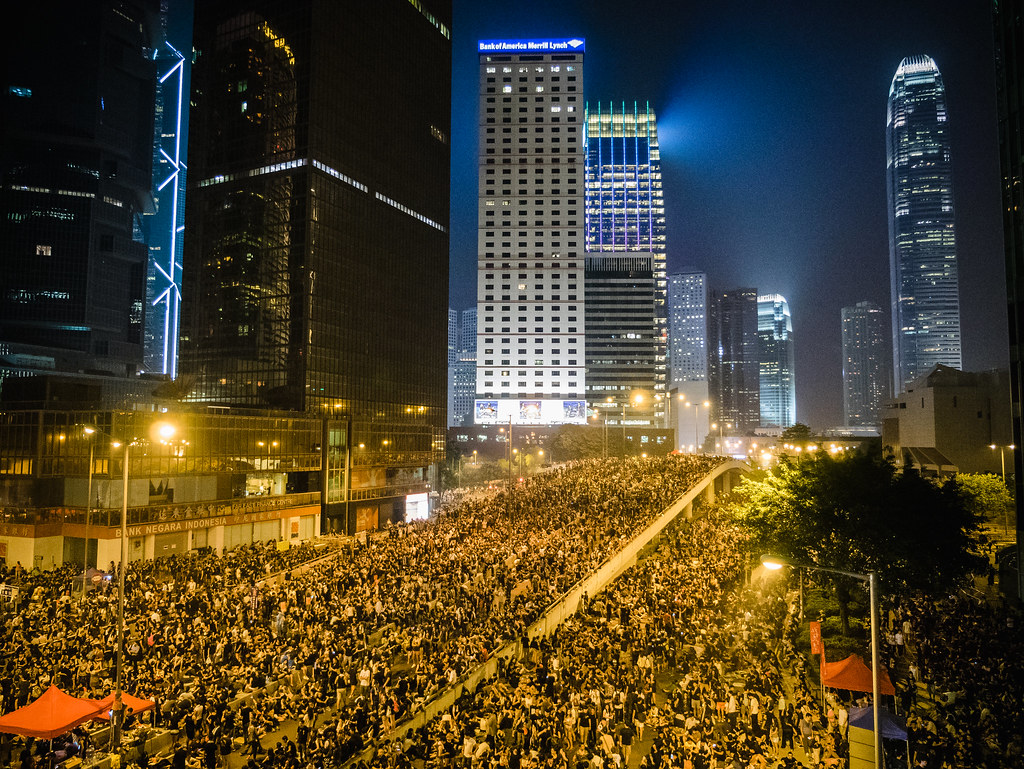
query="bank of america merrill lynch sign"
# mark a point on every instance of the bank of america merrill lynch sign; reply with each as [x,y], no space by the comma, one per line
[572,45]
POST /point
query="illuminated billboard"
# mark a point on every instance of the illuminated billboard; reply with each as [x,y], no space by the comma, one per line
[558,45]
[532,411]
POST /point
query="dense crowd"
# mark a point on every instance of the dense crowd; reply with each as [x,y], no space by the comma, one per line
[970,660]
[673,650]
[435,597]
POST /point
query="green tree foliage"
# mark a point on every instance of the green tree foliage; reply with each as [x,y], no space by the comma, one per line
[797,433]
[986,496]
[857,513]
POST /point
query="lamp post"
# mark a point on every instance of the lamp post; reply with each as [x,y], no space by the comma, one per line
[1002,467]
[164,431]
[696,423]
[774,562]
[634,402]
[90,431]
[721,432]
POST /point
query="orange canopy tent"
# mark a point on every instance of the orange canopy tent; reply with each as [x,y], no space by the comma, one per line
[52,715]
[853,675]
[137,705]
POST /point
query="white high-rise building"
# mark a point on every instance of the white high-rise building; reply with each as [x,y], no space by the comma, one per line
[530,301]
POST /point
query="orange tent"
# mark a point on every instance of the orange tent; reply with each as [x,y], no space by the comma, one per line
[137,705]
[853,675]
[52,715]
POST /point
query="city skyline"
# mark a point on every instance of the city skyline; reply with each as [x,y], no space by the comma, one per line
[773,151]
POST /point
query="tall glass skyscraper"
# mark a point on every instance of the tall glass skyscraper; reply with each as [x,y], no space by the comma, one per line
[776,361]
[75,169]
[864,370]
[922,242]
[733,369]
[316,256]
[625,266]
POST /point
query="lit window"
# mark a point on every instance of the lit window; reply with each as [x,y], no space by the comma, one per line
[44,250]
[506,89]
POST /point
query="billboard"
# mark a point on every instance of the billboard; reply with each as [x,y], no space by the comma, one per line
[533,411]
[557,45]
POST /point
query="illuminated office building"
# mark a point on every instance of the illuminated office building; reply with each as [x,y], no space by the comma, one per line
[316,256]
[865,373]
[922,241]
[625,261]
[75,171]
[776,362]
[530,297]
[688,328]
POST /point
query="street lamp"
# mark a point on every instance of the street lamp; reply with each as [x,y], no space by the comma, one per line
[636,401]
[164,432]
[774,562]
[721,433]
[89,431]
[1002,457]
[696,421]
[1002,466]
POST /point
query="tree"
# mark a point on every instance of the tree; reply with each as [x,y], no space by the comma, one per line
[986,496]
[797,433]
[857,513]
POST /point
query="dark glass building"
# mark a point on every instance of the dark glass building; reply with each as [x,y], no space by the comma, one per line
[75,162]
[922,241]
[316,250]
[1009,33]
[733,369]
[865,373]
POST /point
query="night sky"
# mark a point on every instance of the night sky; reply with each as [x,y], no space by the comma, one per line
[771,118]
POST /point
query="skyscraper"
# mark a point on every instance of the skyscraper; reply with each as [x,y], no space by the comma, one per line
[625,263]
[733,370]
[165,225]
[76,163]
[530,333]
[865,374]
[776,360]
[688,327]
[1009,48]
[316,262]
[922,242]
[689,395]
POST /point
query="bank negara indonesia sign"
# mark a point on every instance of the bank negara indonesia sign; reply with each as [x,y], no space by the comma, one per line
[571,45]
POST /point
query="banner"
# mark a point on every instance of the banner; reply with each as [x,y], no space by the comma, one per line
[816,646]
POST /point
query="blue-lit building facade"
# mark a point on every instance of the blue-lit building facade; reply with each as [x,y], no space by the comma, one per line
[530,237]
[922,239]
[165,225]
[625,263]
[776,360]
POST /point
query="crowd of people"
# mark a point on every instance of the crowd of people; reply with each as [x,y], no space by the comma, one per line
[969,659]
[677,656]
[678,664]
[436,598]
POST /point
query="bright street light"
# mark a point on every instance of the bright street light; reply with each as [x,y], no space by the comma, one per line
[774,563]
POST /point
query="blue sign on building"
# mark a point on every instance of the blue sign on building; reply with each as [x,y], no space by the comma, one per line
[572,45]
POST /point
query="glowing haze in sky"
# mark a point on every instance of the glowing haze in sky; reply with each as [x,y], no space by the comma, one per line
[771,118]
